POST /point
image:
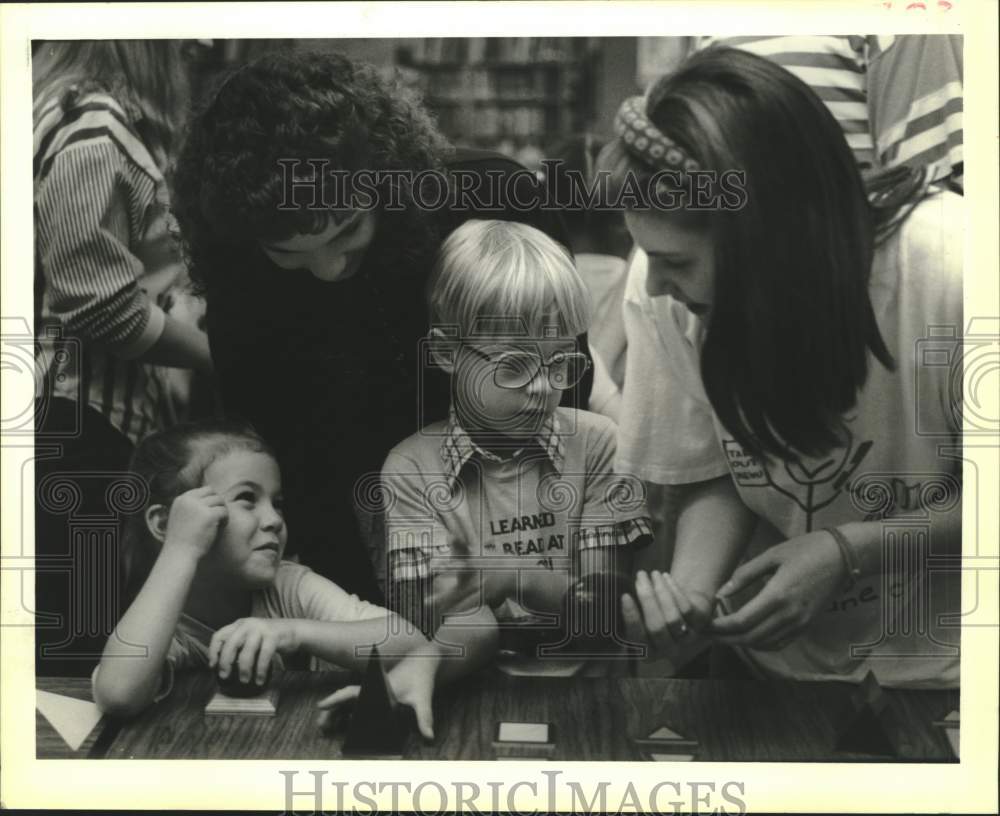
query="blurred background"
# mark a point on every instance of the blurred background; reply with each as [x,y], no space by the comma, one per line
[517,95]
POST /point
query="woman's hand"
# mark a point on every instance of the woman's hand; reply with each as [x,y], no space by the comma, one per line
[194,521]
[412,683]
[248,646]
[806,572]
[663,616]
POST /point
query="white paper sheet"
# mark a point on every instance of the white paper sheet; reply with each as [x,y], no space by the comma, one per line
[72,719]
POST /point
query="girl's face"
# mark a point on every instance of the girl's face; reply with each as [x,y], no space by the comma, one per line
[252,541]
[681,258]
[332,255]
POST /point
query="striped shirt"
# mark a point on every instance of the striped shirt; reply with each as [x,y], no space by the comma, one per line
[898,99]
[105,258]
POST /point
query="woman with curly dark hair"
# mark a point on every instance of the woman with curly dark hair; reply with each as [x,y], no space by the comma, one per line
[316,309]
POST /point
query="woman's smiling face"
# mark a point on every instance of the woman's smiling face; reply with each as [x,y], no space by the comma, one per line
[333,254]
[681,258]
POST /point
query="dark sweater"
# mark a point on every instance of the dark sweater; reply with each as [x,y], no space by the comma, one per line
[331,373]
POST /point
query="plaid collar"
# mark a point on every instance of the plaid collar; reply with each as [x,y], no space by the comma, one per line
[457,447]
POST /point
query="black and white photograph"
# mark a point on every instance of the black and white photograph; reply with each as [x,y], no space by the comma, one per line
[519,396]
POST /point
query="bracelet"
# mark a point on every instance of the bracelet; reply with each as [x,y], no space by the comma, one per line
[846,553]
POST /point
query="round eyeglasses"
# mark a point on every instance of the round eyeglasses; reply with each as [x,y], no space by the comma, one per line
[516,369]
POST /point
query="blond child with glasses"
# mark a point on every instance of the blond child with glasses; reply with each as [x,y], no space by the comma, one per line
[512,502]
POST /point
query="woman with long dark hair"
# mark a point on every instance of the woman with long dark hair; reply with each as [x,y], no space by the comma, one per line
[106,116]
[798,403]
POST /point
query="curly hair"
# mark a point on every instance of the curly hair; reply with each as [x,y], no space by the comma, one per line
[303,106]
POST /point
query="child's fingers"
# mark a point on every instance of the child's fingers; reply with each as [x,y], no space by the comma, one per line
[683,600]
[218,641]
[675,618]
[339,697]
[230,650]
[248,655]
[264,657]
[425,718]
[652,613]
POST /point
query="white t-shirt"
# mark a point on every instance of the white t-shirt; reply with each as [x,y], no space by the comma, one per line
[903,456]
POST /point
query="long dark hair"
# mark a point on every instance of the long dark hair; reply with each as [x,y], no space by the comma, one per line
[295,106]
[146,77]
[787,342]
[172,462]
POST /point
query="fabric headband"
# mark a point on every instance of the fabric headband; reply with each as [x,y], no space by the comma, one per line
[646,142]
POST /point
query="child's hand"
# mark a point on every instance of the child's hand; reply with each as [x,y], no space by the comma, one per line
[248,646]
[194,521]
[663,616]
[412,683]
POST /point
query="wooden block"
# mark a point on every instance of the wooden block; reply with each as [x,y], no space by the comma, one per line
[263,704]
[524,740]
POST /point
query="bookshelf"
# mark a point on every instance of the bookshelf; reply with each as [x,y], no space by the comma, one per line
[511,93]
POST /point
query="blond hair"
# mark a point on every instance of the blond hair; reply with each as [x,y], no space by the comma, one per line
[494,276]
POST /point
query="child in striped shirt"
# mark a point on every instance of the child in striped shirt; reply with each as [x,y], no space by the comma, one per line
[105,121]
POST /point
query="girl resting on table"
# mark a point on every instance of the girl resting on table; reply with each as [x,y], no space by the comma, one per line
[209,586]
[799,401]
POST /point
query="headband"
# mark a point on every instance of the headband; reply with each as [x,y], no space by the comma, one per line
[646,142]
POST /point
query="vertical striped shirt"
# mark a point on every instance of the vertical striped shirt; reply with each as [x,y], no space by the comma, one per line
[898,99]
[105,258]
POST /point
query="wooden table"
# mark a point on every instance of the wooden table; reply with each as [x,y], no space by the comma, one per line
[593,719]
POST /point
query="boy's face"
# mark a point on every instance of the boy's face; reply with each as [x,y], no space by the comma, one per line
[252,540]
[510,386]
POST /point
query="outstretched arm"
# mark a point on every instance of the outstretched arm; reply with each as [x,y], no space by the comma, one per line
[458,648]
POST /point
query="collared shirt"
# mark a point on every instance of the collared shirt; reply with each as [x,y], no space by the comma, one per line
[458,447]
[447,497]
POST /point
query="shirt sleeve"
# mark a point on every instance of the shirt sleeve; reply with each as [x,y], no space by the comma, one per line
[323,600]
[915,102]
[614,504]
[85,209]
[413,530]
[667,433]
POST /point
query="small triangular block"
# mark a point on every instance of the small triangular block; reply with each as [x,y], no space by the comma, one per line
[866,733]
[379,726]
[869,725]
